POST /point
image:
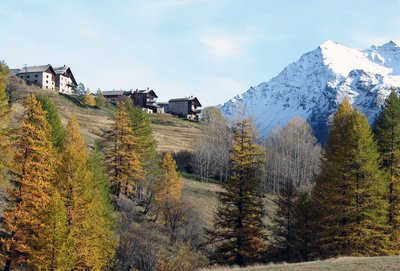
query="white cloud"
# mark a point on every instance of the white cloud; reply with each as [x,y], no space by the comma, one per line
[224,46]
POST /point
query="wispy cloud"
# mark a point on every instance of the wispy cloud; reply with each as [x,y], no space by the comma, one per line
[224,46]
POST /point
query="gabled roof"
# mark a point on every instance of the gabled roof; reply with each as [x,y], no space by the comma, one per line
[114,93]
[42,68]
[66,71]
[194,99]
[146,91]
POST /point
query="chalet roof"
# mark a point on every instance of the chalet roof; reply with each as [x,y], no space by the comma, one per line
[194,99]
[114,93]
[146,91]
[41,68]
[63,71]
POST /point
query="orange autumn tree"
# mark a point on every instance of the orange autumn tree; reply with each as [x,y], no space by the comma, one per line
[170,184]
[123,160]
[33,167]
[84,217]
[4,119]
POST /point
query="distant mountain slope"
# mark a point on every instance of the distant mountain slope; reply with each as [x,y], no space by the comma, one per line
[313,86]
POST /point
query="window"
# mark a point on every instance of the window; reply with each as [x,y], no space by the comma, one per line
[35,81]
[47,81]
[47,87]
[36,75]
[47,76]
[27,76]
[22,76]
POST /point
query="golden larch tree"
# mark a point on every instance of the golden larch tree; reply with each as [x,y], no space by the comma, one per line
[123,160]
[25,215]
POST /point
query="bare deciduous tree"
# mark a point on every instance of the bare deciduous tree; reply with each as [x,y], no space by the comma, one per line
[293,153]
[211,150]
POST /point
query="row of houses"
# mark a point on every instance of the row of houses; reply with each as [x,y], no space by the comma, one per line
[188,107]
[61,79]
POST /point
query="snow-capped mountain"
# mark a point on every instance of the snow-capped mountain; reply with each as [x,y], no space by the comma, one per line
[314,86]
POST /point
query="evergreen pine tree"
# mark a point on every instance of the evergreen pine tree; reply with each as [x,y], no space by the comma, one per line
[387,131]
[349,192]
[57,129]
[238,231]
[303,244]
[5,147]
[25,215]
[283,223]
[123,158]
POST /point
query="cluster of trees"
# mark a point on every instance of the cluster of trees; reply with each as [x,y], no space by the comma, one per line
[88,98]
[351,210]
[353,207]
[211,151]
[58,214]
[68,208]
[159,228]
[294,154]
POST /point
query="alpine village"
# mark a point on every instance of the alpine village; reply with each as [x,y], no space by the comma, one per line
[298,173]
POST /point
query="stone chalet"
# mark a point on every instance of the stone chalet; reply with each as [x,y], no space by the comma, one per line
[46,77]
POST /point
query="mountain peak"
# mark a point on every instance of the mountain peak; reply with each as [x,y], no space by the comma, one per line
[313,86]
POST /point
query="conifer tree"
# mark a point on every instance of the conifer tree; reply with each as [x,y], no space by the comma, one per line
[387,131]
[170,185]
[25,215]
[304,238]
[103,222]
[57,129]
[59,246]
[100,99]
[4,118]
[283,223]
[124,161]
[349,192]
[238,232]
[146,144]
[87,210]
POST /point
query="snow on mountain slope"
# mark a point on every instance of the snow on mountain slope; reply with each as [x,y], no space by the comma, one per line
[313,87]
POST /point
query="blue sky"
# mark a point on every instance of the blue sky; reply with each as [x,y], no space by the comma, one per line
[213,49]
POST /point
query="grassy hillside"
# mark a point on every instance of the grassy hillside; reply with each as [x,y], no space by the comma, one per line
[339,264]
[171,133]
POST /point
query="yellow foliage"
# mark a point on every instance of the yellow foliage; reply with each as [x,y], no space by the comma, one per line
[25,216]
[170,184]
[89,99]
[124,161]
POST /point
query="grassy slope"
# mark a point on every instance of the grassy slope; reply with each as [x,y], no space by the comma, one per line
[339,264]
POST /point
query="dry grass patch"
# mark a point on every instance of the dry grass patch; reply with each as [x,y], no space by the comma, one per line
[338,264]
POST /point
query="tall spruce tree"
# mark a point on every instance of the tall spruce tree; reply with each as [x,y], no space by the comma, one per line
[239,232]
[57,129]
[25,215]
[349,192]
[282,246]
[387,131]
[5,147]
